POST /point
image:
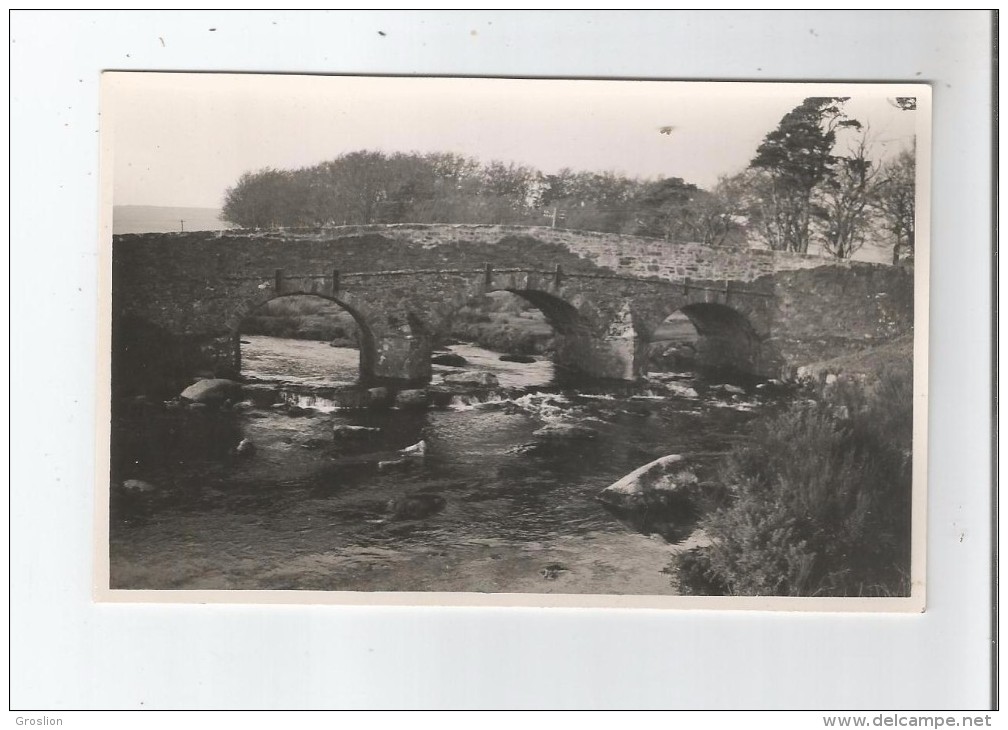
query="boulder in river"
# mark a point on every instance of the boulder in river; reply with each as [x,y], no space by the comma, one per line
[343,431]
[213,391]
[406,458]
[450,359]
[661,496]
[728,388]
[565,432]
[417,449]
[526,359]
[683,391]
[414,398]
[245,448]
[415,506]
[470,377]
[379,397]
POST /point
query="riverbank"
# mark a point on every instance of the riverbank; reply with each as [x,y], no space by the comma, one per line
[819,499]
[865,366]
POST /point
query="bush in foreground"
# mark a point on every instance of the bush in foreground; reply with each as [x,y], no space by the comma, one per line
[821,501]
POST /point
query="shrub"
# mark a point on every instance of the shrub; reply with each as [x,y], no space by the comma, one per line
[821,501]
[505,338]
[301,318]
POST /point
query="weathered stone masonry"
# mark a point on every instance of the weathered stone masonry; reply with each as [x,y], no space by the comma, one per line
[179,299]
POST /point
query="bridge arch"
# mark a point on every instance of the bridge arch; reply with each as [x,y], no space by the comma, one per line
[563,316]
[366,340]
[588,340]
[726,336]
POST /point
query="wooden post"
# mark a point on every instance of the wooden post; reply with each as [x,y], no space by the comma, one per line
[277,281]
[557,275]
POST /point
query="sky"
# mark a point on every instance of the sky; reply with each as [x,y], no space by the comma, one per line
[183,139]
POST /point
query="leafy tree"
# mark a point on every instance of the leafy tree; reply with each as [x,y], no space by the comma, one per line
[796,157]
[665,210]
[263,199]
[375,187]
[558,189]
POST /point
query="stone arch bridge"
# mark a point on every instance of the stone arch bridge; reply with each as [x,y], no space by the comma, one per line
[178,299]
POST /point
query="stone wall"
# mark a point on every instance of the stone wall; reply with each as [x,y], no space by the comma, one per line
[835,310]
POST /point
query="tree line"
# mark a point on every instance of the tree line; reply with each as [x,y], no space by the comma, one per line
[797,190]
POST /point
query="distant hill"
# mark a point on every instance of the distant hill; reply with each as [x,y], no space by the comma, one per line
[164,219]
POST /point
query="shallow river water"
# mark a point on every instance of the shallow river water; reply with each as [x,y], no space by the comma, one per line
[489,507]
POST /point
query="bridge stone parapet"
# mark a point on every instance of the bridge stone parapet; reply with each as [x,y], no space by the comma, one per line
[179,299]
[635,256]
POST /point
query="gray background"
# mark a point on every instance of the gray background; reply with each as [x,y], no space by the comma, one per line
[70,653]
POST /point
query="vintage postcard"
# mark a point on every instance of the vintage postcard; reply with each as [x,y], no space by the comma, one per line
[486,341]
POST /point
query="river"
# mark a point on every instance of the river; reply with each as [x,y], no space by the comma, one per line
[489,507]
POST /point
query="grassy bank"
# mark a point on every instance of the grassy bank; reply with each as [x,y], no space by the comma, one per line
[302,318]
[821,496]
[865,366]
[501,322]
[504,324]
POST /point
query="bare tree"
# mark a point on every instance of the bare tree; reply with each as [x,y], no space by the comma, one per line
[842,204]
[894,201]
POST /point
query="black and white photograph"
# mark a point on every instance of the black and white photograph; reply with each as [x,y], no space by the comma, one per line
[514,341]
[504,360]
